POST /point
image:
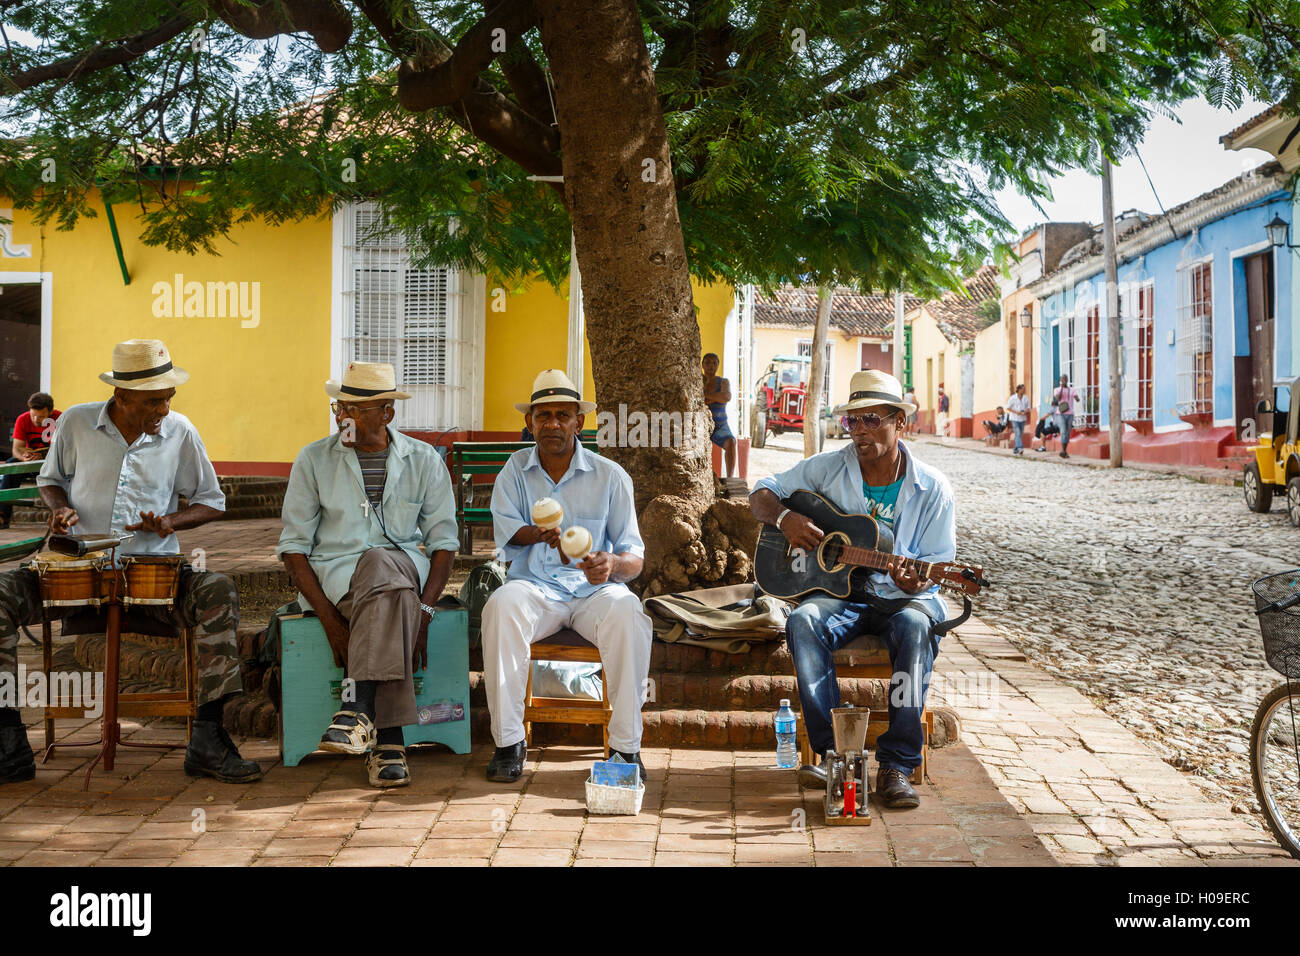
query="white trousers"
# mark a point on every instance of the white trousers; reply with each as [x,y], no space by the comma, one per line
[519,613]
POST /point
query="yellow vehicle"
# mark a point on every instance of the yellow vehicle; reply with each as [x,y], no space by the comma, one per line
[1276,468]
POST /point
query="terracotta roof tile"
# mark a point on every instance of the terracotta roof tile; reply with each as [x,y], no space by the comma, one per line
[956,315]
[1252,123]
[851,312]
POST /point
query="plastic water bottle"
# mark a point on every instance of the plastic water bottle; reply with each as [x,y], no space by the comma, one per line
[787,753]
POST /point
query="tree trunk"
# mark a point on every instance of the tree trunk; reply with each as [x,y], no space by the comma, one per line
[813,398]
[640,315]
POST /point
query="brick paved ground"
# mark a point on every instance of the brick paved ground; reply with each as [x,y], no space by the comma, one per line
[701,808]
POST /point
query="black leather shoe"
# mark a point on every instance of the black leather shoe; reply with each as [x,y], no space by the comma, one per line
[212,753]
[17,762]
[895,789]
[507,763]
[630,758]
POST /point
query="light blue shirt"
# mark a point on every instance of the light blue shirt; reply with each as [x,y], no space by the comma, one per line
[925,524]
[109,482]
[328,517]
[595,493]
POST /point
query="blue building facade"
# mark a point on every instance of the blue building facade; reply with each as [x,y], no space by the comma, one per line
[1206,322]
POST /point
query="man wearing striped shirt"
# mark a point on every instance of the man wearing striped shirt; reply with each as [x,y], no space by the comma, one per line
[359,505]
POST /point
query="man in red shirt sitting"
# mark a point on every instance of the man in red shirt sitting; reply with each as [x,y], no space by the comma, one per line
[33,433]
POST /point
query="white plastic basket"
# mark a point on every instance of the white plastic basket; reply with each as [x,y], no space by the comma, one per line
[614,800]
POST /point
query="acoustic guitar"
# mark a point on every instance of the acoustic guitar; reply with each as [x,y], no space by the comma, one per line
[854,546]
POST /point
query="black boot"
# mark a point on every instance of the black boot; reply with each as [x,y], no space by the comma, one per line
[212,753]
[631,758]
[17,762]
[507,763]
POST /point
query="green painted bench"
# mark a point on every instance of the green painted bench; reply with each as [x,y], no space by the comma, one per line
[477,463]
[16,550]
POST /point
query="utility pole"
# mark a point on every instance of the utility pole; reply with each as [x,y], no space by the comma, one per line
[1112,315]
[898,338]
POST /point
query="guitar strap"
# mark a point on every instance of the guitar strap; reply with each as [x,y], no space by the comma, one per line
[894,605]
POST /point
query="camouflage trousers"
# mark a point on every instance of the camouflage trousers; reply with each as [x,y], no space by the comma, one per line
[206,601]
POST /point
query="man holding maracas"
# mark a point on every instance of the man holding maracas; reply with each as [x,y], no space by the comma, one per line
[570,559]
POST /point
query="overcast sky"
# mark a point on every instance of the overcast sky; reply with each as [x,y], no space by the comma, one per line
[1184,159]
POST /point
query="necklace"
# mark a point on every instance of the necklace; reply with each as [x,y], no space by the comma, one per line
[878,504]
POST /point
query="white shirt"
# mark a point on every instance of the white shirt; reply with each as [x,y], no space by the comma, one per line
[1018,407]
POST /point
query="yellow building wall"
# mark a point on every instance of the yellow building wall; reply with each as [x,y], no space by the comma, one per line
[990,369]
[933,353]
[532,334]
[255,394]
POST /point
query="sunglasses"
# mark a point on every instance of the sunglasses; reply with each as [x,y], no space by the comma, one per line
[870,420]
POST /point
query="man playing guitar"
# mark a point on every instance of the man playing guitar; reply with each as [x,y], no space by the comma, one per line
[874,475]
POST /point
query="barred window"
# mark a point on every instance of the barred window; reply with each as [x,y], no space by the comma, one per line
[1195,338]
[412,318]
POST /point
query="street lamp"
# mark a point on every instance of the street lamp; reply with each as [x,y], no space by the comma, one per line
[1279,233]
[1026,317]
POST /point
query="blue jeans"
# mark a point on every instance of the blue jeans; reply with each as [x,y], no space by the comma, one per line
[1064,423]
[1019,429]
[822,624]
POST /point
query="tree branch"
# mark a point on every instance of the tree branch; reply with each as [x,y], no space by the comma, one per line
[527,81]
[327,21]
[101,56]
[424,84]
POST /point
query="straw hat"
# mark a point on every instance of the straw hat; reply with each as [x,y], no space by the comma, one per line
[553,386]
[143,365]
[366,381]
[871,388]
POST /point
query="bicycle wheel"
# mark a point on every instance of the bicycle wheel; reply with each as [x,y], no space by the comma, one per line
[1275,763]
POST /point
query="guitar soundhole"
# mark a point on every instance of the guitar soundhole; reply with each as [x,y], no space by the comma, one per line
[830,549]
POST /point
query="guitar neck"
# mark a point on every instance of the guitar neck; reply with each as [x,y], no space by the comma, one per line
[880,560]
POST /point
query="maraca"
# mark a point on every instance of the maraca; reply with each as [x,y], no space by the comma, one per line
[576,542]
[547,513]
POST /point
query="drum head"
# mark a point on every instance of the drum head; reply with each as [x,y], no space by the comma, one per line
[65,562]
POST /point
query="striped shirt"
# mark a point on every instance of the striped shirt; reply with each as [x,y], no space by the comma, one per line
[374,467]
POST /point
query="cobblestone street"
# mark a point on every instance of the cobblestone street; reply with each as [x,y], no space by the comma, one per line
[1133,587]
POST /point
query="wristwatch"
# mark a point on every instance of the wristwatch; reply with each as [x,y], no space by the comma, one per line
[426,609]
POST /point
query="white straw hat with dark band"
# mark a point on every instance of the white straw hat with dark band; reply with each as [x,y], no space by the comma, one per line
[553,386]
[143,365]
[872,388]
[365,382]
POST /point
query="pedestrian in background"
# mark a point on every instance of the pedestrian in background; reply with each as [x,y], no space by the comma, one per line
[941,423]
[1018,411]
[1063,399]
[909,427]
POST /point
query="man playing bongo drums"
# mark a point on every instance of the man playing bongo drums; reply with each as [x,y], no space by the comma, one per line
[118,466]
[359,505]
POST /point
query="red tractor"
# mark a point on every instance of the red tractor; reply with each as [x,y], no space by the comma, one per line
[779,399]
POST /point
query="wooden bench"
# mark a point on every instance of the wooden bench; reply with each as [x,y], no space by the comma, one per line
[867,658]
[566,645]
[477,464]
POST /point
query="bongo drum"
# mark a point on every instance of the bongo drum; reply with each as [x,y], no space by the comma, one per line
[66,581]
[150,578]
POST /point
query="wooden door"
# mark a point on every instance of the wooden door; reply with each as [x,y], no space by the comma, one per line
[1259,324]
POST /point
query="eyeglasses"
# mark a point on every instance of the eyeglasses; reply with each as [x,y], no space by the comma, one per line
[870,420]
[352,411]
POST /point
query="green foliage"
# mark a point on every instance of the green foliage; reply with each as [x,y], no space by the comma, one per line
[812,140]
[989,312]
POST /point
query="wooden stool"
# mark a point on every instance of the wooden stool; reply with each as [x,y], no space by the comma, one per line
[178,703]
[566,645]
[867,658]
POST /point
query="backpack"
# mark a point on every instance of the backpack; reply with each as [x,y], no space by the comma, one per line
[476,590]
